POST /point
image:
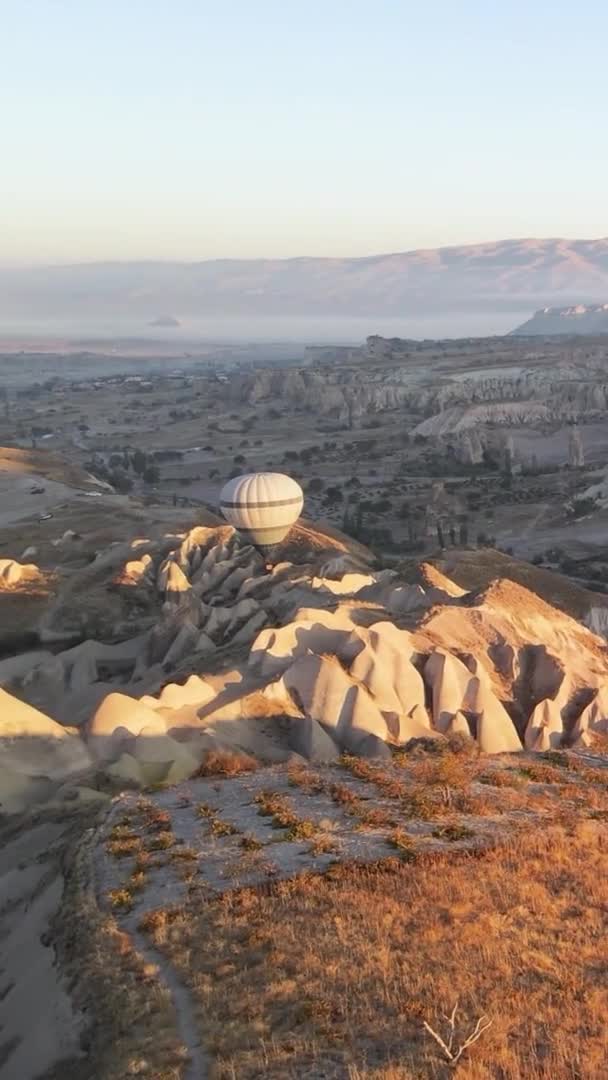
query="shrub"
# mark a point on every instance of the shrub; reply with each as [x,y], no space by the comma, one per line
[226,763]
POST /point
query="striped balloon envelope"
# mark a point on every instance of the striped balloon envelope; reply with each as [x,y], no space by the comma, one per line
[262,506]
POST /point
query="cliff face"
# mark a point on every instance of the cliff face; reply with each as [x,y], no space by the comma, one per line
[560,392]
[581,319]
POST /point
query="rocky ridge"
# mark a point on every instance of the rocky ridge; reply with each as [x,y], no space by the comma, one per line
[314,658]
[559,390]
[575,319]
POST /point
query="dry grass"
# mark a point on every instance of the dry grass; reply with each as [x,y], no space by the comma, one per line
[275,806]
[304,777]
[134,1029]
[124,846]
[226,763]
[335,975]
[217,825]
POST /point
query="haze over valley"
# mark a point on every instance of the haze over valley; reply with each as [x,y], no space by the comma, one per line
[472,290]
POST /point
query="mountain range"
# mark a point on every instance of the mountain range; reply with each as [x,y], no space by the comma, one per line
[508,275]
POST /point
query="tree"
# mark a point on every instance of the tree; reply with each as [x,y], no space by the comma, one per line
[333,494]
[139,462]
[120,481]
[315,485]
[151,474]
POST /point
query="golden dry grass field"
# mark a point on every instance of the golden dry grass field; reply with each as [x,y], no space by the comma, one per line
[337,974]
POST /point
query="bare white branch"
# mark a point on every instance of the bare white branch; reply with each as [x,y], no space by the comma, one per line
[453,1057]
[438,1039]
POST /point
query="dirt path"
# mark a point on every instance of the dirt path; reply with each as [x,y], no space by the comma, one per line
[185,1013]
[197,1067]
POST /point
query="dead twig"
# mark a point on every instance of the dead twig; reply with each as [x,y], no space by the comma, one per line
[454,1056]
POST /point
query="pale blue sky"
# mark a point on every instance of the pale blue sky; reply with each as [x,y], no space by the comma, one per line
[199,129]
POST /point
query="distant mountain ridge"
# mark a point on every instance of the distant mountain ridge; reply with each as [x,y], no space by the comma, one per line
[508,275]
[578,319]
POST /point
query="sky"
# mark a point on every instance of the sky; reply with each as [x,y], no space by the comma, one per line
[196,129]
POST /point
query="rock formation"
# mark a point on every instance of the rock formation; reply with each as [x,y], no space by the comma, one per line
[319,666]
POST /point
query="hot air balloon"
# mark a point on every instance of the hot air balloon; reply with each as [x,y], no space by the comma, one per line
[262,506]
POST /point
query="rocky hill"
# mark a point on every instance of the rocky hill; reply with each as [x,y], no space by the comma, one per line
[580,319]
[445,392]
[506,275]
[321,656]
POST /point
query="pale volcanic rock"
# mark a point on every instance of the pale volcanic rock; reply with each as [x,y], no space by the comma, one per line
[458,725]
[320,688]
[44,685]
[162,635]
[308,738]
[496,733]
[204,644]
[404,598]
[385,668]
[76,707]
[232,584]
[183,644]
[340,565]
[128,768]
[33,745]
[163,573]
[415,725]
[346,676]
[597,620]
[195,691]
[506,613]
[547,675]
[13,668]
[116,721]
[136,572]
[216,622]
[176,582]
[449,681]
[594,717]
[214,581]
[456,690]
[83,671]
[244,733]
[373,746]
[14,573]
[433,578]
[179,759]
[312,631]
[349,584]
[459,418]
[545,728]
[247,630]
[241,614]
